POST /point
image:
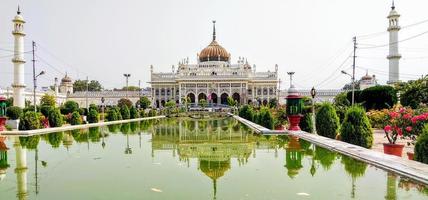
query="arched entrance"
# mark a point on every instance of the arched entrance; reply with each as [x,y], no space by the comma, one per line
[214,98]
[157,103]
[191,98]
[163,103]
[236,97]
[250,102]
[265,102]
[202,96]
[223,98]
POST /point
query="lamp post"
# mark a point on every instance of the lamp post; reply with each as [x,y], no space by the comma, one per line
[35,87]
[127,77]
[353,85]
[313,94]
[102,107]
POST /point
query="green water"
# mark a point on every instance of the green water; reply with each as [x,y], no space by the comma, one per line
[186,159]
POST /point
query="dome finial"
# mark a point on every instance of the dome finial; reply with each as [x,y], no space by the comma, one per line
[393,5]
[213,30]
[19,11]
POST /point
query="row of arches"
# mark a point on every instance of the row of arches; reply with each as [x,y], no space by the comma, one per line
[214,98]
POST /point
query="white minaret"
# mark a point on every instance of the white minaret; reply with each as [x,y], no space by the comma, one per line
[394,56]
[18,61]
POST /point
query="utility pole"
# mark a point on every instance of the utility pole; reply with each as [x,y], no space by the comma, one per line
[86,94]
[126,89]
[34,77]
[353,70]
[139,89]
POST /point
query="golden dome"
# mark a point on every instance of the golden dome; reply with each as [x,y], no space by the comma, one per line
[214,169]
[214,51]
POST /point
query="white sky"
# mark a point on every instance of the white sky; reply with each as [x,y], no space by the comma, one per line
[103,39]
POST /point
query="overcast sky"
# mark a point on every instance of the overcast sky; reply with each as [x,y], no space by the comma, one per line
[103,39]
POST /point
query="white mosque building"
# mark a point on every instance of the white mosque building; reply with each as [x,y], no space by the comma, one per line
[214,78]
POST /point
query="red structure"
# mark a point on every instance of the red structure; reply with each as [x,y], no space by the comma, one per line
[3,114]
[294,108]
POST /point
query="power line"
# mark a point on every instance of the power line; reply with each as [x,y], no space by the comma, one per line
[375,34]
[332,74]
[384,45]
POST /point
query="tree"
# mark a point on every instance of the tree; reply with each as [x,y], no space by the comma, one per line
[29,121]
[130,88]
[55,118]
[93,116]
[124,111]
[327,122]
[124,102]
[379,97]
[69,107]
[414,93]
[111,115]
[273,103]
[133,113]
[76,119]
[80,85]
[48,100]
[231,101]
[144,102]
[246,112]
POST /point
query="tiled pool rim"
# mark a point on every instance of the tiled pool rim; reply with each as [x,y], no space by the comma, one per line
[407,168]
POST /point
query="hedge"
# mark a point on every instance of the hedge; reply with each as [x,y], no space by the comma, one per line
[93,116]
[124,111]
[133,113]
[55,118]
[76,119]
[14,112]
[421,147]
[379,97]
[29,121]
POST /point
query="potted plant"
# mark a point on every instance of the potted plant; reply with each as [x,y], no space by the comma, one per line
[399,124]
[13,113]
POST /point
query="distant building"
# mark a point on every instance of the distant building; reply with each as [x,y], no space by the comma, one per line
[66,86]
[367,81]
[213,78]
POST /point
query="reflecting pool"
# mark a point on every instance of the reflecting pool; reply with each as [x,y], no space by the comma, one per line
[187,159]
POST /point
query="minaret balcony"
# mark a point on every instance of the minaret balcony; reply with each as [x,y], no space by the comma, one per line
[397,56]
[20,33]
[18,86]
[18,60]
[394,28]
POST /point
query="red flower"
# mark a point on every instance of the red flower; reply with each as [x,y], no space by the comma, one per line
[402,110]
[399,131]
[394,115]
[387,128]
[409,128]
[407,116]
[414,120]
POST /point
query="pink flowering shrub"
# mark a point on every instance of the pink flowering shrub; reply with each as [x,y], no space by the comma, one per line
[403,123]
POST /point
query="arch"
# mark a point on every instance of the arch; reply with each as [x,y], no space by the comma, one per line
[163,103]
[265,102]
[249,101]
[214,98]
[157,103]
[236,97]
[191,96]
[223,98]
[177,102]
[202,96]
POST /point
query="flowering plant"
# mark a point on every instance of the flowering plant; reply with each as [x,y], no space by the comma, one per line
[402,123]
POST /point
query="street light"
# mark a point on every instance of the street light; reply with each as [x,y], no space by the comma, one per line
[353,85]
[35,87]
[126,89]
[313,94]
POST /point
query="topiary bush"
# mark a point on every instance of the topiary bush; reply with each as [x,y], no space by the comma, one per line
[143,113]
[356,128]
[14,112]
[111,115]
[46,109]
[306,123]
[327,122]
[69,107]
[266,118]
[29,121]
[93,116]
[76,119]
[55,118]
[133,113]
[246,112]
[152,113]
[379,97]
[421,147]
[124,111]
[119,115]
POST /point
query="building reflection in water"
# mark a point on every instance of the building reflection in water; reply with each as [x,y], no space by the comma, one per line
[21,169]
[214,143]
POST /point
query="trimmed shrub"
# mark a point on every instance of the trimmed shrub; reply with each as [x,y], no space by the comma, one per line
[133,113]
[379,97]
[124,102]
[306,123]
[124,111]
[143,113]
[357,96]
[421,147]
[46,109]
[246,112]
[83,111]
[93,107]
[356,128]
[14,112]
[93,116]
[29,121]
[76,119]
[30,108]
[69,107]
[152,113]
[119,115]
[266,118]
[111,115]
[327,122]
[55,118]
[144,102]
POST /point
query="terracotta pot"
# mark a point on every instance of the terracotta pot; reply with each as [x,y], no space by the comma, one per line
[294,122]
[410,155]
[393,149]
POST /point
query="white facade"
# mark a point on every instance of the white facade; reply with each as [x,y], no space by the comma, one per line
[18,61]
[29,96]
[213,78]
[110,97]
[394,56]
